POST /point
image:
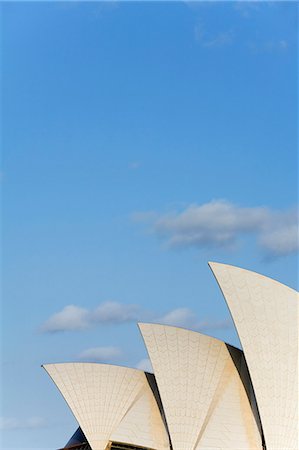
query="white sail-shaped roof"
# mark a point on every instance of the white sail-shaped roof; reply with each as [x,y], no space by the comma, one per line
[204,399]
[265,313]
[111,403]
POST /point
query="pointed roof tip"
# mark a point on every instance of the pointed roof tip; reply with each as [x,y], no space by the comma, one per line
[176,328]
[44,366]
[214,265]
[149,324]
[217,263]
[218,269]
[91,363]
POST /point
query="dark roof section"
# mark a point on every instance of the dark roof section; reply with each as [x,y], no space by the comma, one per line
[77,439]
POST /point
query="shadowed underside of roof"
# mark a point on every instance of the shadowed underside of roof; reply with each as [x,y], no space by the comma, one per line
[79,442]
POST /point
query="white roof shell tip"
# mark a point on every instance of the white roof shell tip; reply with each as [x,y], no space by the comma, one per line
[111,403]
[266,315]
[204,399]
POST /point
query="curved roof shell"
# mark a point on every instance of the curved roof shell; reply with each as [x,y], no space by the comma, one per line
[266,316]
[111,403]
[203,396]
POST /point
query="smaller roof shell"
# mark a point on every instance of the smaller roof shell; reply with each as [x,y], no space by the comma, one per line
[111,403]
[204,399]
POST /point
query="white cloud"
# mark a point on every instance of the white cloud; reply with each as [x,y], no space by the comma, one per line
[115,312]
[71,318]
[220,223]
[210,325]
[215,223]
[145,365]
[281,241]
[101,354]
[12,423]
[74,318]
[180,317]
[186,318]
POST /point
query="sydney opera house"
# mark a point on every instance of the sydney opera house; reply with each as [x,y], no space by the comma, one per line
[204,393]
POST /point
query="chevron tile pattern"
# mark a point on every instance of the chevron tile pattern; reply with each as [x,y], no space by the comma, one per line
[111,403]
[266,315]
[204,400]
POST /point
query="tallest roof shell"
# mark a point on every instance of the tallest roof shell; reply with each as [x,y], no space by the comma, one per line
[266,315]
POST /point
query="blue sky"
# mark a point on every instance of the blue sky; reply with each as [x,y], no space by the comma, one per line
[141,140]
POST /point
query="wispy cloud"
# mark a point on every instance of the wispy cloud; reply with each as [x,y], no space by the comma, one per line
[114,313]
[181,317]
[263,40]
[101,354]
[208,40]
[281,240]
[69,318]
[75,318]
[186,318]
[246,9]
[13,423]
[268,46]
[210,31]
[220,224]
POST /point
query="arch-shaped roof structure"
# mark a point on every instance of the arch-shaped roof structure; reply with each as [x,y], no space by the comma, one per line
[266,315]
[111,403]
[204,399]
